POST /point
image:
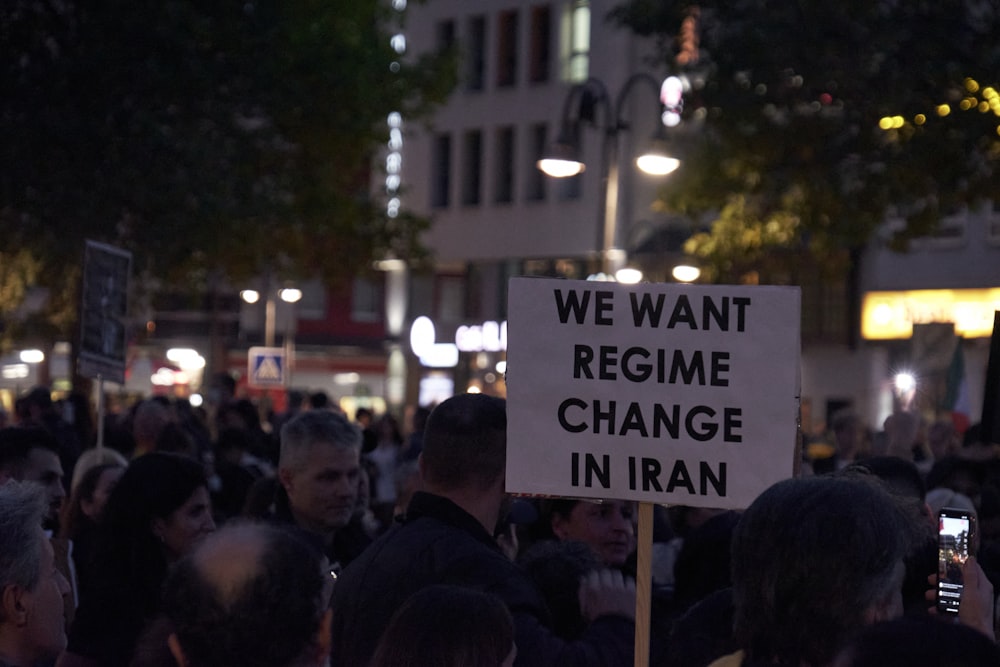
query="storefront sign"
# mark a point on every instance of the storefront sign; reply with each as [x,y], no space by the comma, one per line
[490,336]
[891,315]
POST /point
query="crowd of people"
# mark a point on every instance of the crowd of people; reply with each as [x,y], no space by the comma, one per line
[215,537]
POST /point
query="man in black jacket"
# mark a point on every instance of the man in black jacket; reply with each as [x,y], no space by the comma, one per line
[319,476]
[447,538]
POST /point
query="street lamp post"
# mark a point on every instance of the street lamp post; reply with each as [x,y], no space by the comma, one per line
[286,294]
[563,161]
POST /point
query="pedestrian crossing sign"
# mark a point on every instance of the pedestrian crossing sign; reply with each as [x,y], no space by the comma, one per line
[266,367]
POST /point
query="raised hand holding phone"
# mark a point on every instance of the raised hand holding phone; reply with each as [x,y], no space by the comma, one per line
[976,609]
[955,529]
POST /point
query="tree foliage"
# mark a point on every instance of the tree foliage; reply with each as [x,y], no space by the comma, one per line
[810,122]
[204,136]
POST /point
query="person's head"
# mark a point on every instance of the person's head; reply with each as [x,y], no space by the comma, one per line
[175,439]
[606,526]
[159,510]
[319,400]
[38,402]
[418,421]
[903,432]
[848,432]
[250,595]
[232,444]
[387,430]
[465,443]
[448,626]
[151,417]
[942,439]
[95,456]
[32,626]
[919,640]
[295,398]
[813,561]
[32,455]
[88,499]
[318,468]
[364,417]
[900,476]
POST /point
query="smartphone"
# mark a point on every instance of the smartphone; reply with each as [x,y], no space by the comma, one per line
[955,527]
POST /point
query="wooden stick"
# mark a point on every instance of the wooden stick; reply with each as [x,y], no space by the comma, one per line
[643,584]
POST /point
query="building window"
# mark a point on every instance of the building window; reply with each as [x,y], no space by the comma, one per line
[366,301]
[507,49]
[472,167]
[475,57]
[450,298]
[505,160]
[441,171]
[539,53]
[575,49]
[570,188]
[445,35]
[312,306]
[534,182]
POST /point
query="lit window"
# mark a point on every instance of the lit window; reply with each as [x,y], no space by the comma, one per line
[366,301]
[576,42]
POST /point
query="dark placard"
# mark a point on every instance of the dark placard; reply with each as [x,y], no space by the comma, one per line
[106,272]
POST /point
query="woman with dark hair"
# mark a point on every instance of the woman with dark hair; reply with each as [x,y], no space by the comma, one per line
[156,514]
[814,561]
[80,517]
[448,626]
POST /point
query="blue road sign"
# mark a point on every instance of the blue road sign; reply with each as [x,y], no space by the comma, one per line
[266,367]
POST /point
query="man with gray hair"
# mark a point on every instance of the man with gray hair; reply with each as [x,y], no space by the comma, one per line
[32,626]
[319,475]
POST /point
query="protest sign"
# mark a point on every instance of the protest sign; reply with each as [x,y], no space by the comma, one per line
[685,394]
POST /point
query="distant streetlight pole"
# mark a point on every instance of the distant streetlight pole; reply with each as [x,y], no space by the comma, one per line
[563,158]
[286,294]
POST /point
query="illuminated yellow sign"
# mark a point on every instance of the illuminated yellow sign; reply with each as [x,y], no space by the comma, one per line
[888,315]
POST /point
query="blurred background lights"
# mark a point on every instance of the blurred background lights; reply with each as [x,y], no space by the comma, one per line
[346,378]
[250,295]
[628,276]
[685,273]
[32,356]
[905,382]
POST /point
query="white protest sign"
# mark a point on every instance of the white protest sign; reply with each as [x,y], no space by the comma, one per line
[685,394]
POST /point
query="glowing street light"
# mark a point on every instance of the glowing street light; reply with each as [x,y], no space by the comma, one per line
[286,294]
[563,158]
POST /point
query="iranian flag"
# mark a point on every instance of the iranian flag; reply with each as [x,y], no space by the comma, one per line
[956,398]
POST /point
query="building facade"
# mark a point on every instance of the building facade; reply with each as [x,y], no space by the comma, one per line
[472,170]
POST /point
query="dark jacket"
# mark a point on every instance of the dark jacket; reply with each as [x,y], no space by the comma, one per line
[440,543]
[347,543]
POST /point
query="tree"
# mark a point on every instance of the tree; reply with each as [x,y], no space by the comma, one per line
[811,122]
[204,136]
